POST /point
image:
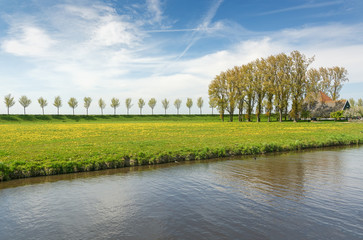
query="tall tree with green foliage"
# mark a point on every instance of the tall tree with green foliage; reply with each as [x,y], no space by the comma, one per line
[177,104]
[128,104]
[240,86]
[282,80]
[200,103]
[57,103]
[352,102]
[43,103]
[101,104]
[332,80]
[141,104]
[314,85]
[152,104]
[338,76]
[261,78]
[73,103]
[298,82]
[189,104]
[360,102]
[248,73]
[217,92]
[165,104]
[115,103]
[271,73]
[87,103]
[25,102]
[9,102]
[230,83]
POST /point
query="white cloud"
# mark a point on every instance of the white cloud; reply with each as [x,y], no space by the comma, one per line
[154,7]
[28,41]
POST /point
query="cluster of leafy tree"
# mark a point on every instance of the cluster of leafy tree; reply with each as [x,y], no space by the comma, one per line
[115,103]
[276,81]
[355,110]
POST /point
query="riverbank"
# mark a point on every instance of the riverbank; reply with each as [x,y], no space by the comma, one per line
[50,148]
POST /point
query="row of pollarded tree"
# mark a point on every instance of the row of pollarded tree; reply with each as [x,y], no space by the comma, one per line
[24,101]
[276,81]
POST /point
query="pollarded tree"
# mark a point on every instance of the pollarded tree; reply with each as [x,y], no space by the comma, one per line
[298,82]
[165,104]
[152,103]
[177,104]
[25,102]
[57,103]
[212,104]
[141,104]
[128,104]
[9,102]
[73,103]
[87,103]
[43,103]
[189,104]
[115,103]
[200,103]
[102,105]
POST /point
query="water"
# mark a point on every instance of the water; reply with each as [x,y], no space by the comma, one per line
[309,195]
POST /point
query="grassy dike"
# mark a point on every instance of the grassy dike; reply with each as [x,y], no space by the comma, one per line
[48,145]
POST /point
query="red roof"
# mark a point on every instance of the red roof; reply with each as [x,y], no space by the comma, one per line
[324,98]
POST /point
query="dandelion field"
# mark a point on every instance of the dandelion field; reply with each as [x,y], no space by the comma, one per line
[36,149]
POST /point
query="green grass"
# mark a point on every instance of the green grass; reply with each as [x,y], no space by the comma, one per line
[46,145]
[119,118]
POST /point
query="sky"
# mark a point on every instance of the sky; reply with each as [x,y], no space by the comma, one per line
[163,48]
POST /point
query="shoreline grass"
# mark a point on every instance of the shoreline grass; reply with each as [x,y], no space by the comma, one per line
[51,147]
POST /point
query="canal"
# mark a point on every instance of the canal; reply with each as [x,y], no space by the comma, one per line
[301,195]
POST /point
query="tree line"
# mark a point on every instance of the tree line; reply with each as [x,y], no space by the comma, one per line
[273,83]
[115,103]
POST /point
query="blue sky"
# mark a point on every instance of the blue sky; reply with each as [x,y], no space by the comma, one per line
[163,48]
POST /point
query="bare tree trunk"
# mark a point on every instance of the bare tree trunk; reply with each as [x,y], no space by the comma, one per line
[43,110]
[114,111]
[212,111]
[280,112]
[73,111]
[152,111]
[24,110]
[58,110]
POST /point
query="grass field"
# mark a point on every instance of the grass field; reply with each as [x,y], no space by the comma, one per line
[46,147]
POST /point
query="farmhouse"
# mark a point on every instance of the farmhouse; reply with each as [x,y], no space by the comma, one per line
[321,106]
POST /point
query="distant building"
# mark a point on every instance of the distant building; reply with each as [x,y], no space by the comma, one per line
[321,106]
